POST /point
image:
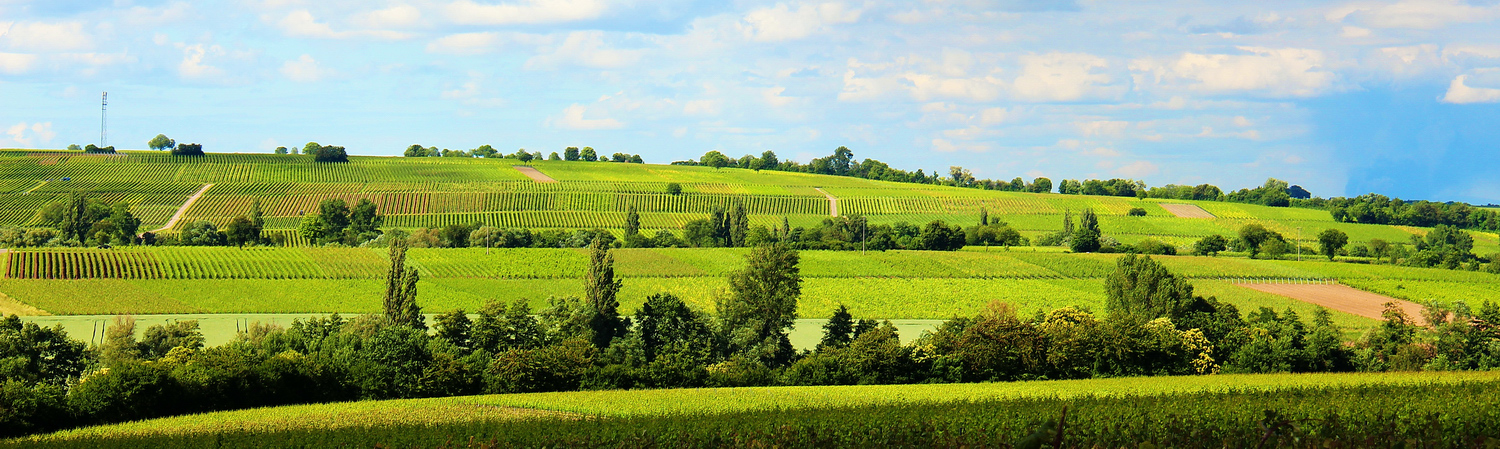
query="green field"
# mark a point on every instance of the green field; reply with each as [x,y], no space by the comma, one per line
[1418,405]
[432,192]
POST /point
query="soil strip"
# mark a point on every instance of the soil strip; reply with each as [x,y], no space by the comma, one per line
[534,174]
[1341,298]
[1187,211]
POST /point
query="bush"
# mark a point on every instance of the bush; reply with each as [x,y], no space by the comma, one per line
[1136,212]
[188,149]
[128,391]
[27,409]
[330,153]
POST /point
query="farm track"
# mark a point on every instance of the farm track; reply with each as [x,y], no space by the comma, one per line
[1187,211]
[183,210]
[1340,297]
[833,202]
[534,174]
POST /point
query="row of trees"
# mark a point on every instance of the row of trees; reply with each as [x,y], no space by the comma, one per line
[1153,324]
[1379,209]
[319,152]
[485,151]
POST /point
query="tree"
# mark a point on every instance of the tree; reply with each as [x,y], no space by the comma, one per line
[554,157]
[331,153]
[1143,288]
[74,147]
[984,217]
[240,231]
[334,215]
[202,233]
[839,330]
[455,327]
[570,154]
[311,227]
[674,188]
[401,290]
[1041,185]
[1255,235]
[1330,241]
[364,221]
[311,148]
[415,151]
[769,161]
[257,221]
[1086,239]
[1211,245]
[600,289]
[762,304]
[126,224]
[632,222]
[714,159]
[188,149]
[280,150]
[589,155]
[666,324]
[161,142]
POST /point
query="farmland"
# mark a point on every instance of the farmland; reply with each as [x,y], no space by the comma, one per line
[1434,408]
[434,192]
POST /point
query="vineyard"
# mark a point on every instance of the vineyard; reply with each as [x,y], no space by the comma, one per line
[1316,410]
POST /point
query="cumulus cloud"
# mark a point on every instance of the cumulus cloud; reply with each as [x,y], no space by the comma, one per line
[399,16]
[945,146]
[192,65]
[573,118]
[26,134]
[47,37]
[1288,72]
[525,12]
[16,63]
[1460,93]
[1064,77]
[305,69]
[465,43]
[1420,14]
[301,23]
[1138,169]
[586,49]
[782,23]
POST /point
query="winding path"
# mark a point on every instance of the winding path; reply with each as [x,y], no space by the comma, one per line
[183,210]
[833,203]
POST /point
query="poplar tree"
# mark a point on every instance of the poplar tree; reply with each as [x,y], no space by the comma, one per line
[632,222]
[601,289]
[401,290]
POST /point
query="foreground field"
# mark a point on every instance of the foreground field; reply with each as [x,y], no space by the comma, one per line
[1431,409]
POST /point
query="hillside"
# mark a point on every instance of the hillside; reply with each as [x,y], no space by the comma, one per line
[433,192]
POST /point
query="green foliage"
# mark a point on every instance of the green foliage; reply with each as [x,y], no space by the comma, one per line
[188,149]
[762,304]
[1144,289]
[401,291]
[1330,241]
[161,142]
[600,289]
[1211,245]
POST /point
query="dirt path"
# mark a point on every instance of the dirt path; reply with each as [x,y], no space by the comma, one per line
[183,210]
[1340,297]
[534,174]
[833,203]
[1187,211]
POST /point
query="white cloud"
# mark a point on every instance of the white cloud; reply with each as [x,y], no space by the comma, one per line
[1063,77]
[1138,169]
[584,48]
[1459,93]
[993,116]
[1421,14]
[1109,128]
[945,146]
[47,37]
[467,12]
[301,23]
[38,132]
[16,63]
[305,69]
[773,97]
[399,16]
[781,23]
[572,118]
[697,108]
[1277,72]
[465,43]
[1353,31]
[155,17]
[473,93]
[192,66]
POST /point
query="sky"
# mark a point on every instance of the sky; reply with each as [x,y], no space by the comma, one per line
[1399,98]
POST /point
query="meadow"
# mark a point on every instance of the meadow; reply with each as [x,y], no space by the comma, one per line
[1430,409]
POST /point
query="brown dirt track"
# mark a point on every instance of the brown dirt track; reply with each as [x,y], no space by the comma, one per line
[1340,297]
[534,174]
[1187,211]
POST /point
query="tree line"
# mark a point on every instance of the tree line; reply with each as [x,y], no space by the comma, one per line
[587,154]
[1153,324]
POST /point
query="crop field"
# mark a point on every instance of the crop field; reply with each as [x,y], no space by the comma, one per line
[1227,407]
[435,192]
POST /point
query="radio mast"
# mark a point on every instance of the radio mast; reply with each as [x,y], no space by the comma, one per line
[103,120]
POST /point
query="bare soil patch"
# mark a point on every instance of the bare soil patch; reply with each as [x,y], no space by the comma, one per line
[1340,297]
[1187,211]
[833,202]
[534,174]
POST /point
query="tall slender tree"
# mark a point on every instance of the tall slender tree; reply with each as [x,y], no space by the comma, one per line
[762,304]
[601,289]
[401,290]
[632,222]
[257,221]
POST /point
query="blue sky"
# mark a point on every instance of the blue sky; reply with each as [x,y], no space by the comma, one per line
[1345,97]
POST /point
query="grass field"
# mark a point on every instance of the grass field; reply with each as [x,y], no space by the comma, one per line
[1138,409]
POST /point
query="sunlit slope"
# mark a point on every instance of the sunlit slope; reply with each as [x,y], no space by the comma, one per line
[431,192]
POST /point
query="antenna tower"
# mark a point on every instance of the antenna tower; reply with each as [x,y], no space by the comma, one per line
[103,120]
